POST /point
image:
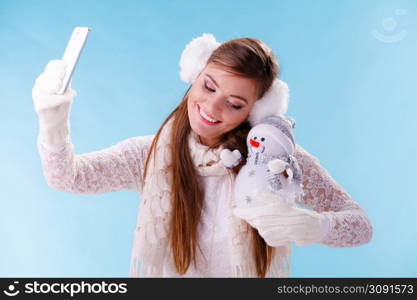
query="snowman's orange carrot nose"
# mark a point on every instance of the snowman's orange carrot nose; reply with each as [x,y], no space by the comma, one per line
[254,143]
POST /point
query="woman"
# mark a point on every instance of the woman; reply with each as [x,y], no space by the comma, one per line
[186,226]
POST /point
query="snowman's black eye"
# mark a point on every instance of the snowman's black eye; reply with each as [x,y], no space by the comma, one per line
[254,138]
[262,139]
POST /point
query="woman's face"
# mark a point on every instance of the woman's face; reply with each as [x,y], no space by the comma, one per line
[218,102]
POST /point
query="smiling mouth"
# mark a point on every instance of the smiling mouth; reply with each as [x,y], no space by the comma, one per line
[205,118]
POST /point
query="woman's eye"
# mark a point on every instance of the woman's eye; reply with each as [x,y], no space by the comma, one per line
[207,88]
[237,107]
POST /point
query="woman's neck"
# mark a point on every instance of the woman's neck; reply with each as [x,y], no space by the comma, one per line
[207,142]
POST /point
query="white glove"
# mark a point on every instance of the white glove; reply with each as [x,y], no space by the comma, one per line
[53,110]
[280,222]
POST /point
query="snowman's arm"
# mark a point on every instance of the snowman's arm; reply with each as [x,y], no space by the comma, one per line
[230,159]
[277,166]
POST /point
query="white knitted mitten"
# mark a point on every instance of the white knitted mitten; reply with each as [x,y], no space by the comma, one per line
[279,222]
[53,110]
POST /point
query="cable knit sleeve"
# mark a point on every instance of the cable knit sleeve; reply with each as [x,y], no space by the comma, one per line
[348,223]
[119,167]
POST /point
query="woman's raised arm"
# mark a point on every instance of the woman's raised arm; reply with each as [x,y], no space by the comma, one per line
[119,167]
[116,168]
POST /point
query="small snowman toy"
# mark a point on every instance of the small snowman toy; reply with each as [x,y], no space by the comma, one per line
[270,163]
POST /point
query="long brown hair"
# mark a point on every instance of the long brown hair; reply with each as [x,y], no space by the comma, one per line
[245,57]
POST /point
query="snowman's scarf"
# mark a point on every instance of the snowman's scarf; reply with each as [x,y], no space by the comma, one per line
[151,236]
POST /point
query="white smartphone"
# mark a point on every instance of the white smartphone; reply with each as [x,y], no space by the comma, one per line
[72,54]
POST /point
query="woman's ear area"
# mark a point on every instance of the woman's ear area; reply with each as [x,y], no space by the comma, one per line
[255,96]
[251,106]
[202,72]
[197,79]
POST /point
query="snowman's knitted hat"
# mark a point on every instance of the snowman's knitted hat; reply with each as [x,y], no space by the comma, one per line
[193,60]
[284,124]
[279,129]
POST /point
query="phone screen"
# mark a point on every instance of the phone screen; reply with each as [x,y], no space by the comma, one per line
[72,53]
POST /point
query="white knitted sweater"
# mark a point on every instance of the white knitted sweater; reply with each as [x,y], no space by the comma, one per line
[121,166]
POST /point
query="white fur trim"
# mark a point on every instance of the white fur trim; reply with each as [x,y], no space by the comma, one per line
[195,55]
[274,102]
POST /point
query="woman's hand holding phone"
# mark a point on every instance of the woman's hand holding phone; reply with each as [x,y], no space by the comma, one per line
[52,94]
[53,109]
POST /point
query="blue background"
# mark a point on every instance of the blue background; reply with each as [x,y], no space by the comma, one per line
[352,94]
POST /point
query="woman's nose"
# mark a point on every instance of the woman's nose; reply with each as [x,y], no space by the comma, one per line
[214,105]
